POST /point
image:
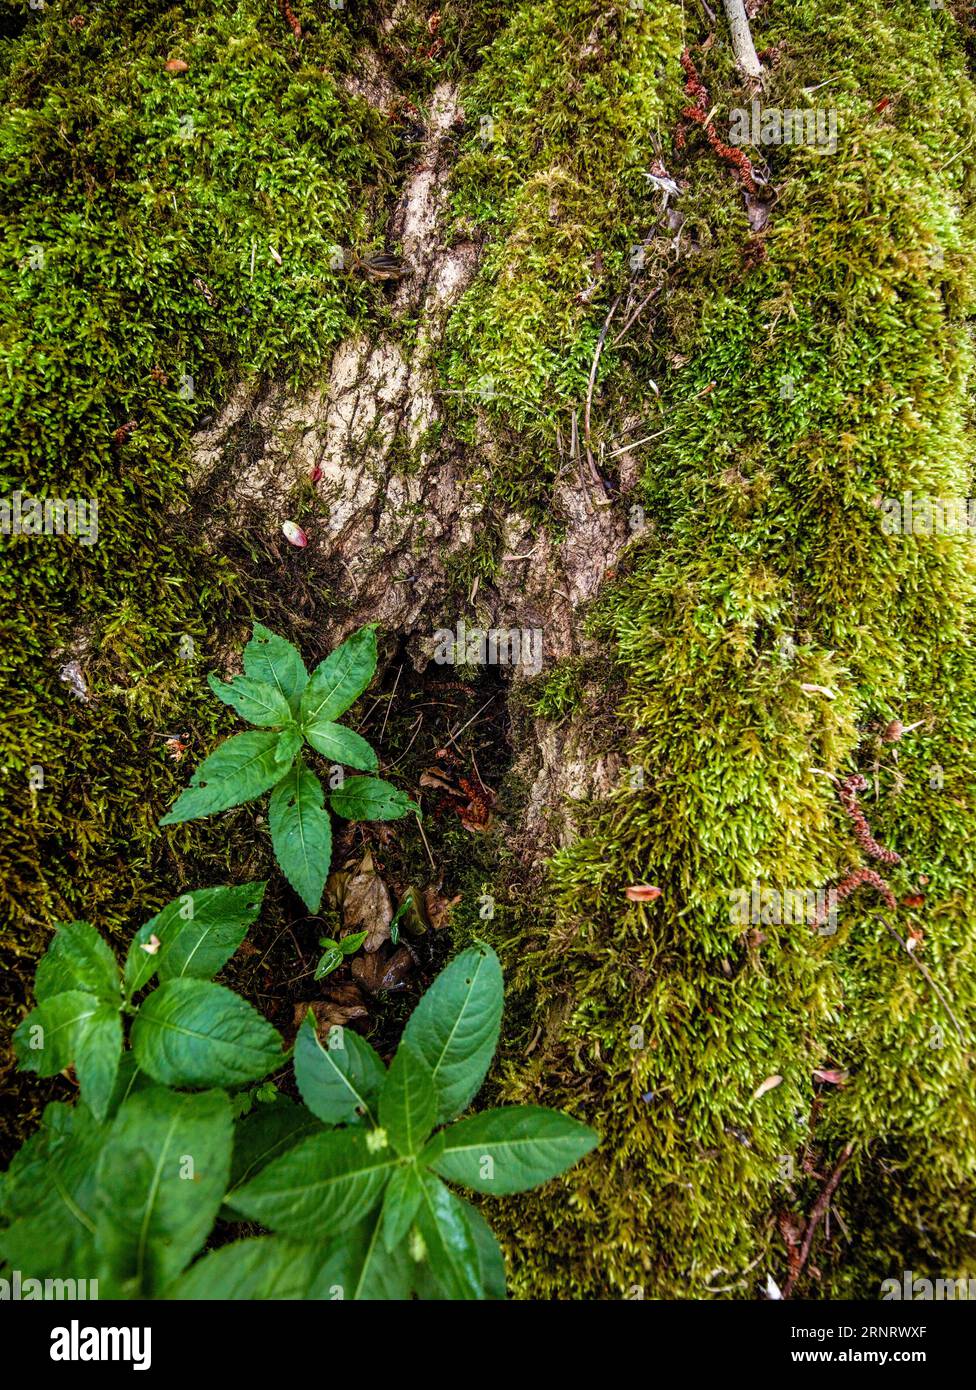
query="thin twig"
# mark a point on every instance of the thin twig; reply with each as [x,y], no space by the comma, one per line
[594,473]
[637,313]
[926,976]
[389,705]
[420,827]
[816,1216]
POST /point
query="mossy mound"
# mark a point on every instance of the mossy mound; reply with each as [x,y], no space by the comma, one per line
[769,630]
[810,357]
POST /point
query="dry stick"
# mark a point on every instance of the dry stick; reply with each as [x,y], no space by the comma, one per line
[819,1208]
[390,703]
[742,44]
[636,314]
[594,472]
[928,978]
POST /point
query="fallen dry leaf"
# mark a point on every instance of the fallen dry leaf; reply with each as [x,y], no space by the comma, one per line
[642,893]
[439,908]
[363,900]
[769,1084]
[379,973]
[344,1005]
[830,1076]
[809,688]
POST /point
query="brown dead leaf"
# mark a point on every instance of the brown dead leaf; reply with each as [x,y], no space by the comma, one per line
[830,1076]
[769,1084]
[363,899]
[642,893]
[344,1005]
[439,908]
[380,973]
[467,796]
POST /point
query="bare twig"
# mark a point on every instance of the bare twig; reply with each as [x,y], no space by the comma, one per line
[928,978]
[816,1216]
[742,45]
[636,314]
[594,471]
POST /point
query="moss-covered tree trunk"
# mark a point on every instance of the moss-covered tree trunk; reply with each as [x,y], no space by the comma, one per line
[634,390]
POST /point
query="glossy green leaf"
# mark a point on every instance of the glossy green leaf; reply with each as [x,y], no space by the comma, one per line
[490,1256]
[197,932]
[455,1027]
[359,1267]
[301,833]
[289,744]
[161,1177]
[341,745]
[370,798]
[322,1186]
[401,1199]
[339,1081]
[340,679]
[97,1053]
[270,658]
[408,1101]
[78,958]
[240,769]
[47,1040]
[513,1148]
[195,1033]
[451,1252]
[264,1267]
[331,960]
[48,1198]
[257,701]
[265,1134]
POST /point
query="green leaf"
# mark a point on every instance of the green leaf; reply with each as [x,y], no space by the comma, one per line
[340,679]
[403,1196]
[47,1040]
[195,1033]
[265,1134]
[78,958]
[97,1054]
[323,1186]
[270,658]
[340,1083]
[341,745]
[301,833]
[455,1027]
[240,769]
[490,1256]
[349,945]
[358,1267]
[198,932]
[408,1101]
[160,1180]
[513,1148]
[330,961]
[451,1250]
[264,1267]
[370,798]
[48,1203]
[289,744]
[255,700]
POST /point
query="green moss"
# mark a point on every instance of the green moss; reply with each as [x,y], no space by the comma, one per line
[767,569]
[163,235]
[563,110]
